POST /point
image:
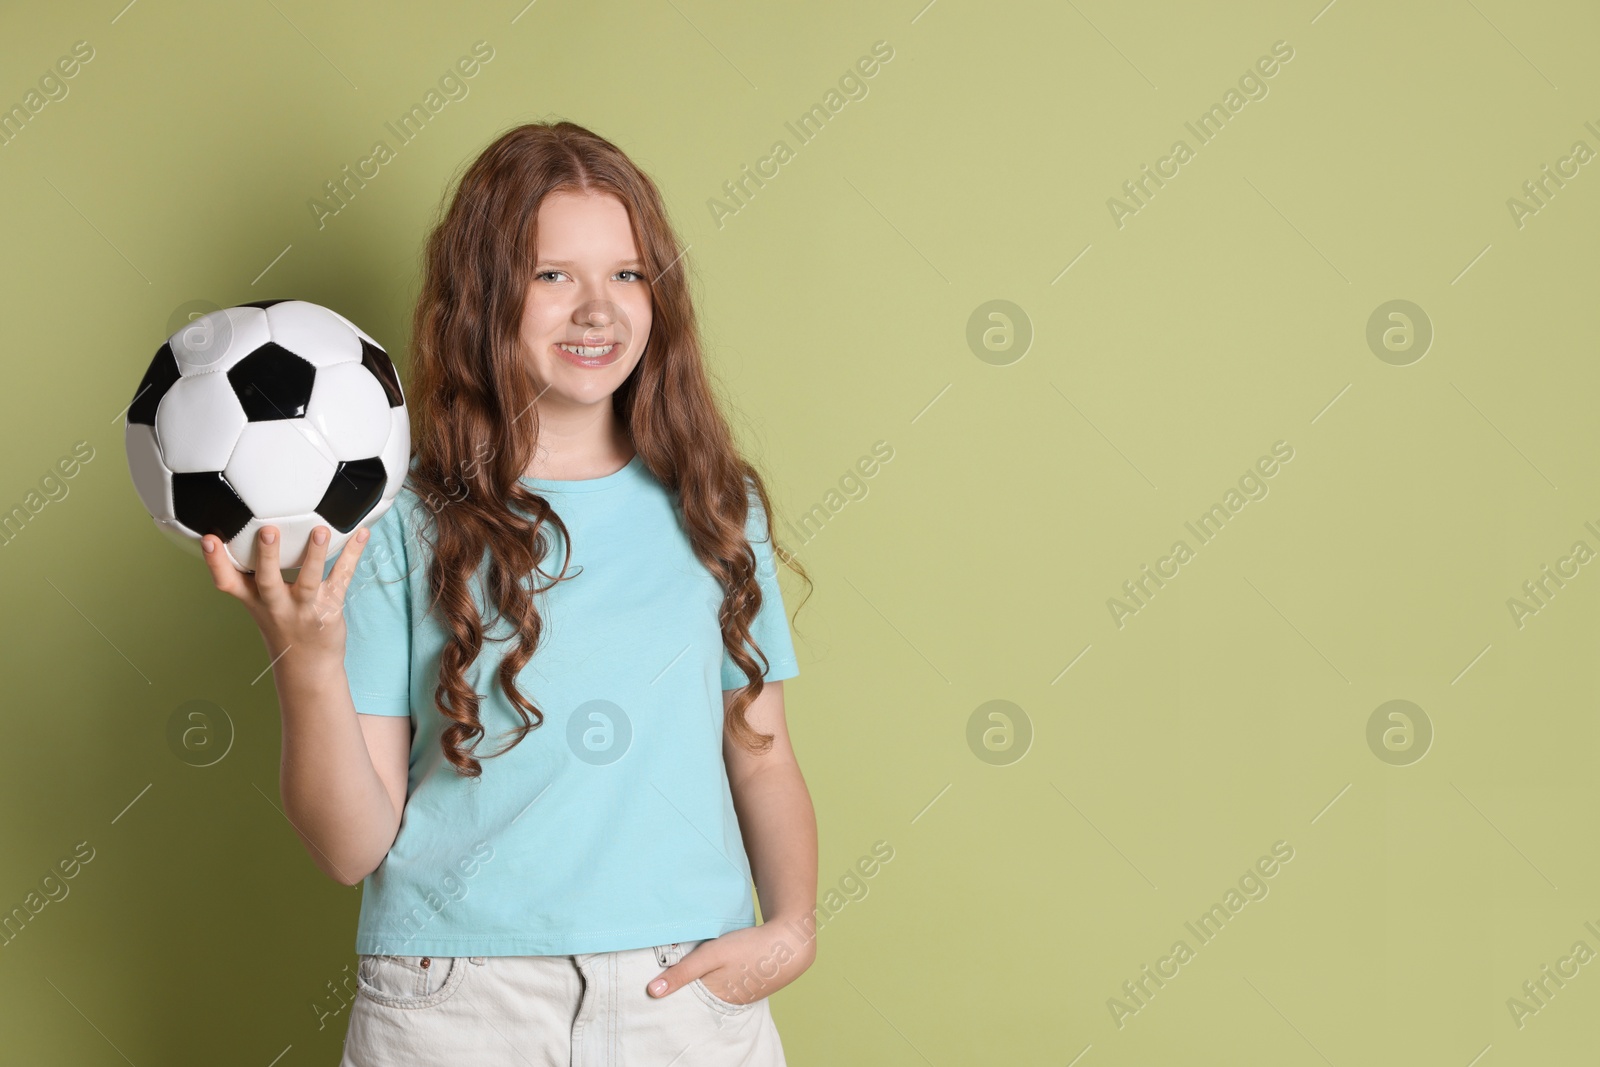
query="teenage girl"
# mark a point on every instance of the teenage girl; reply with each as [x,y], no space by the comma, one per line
[542,724]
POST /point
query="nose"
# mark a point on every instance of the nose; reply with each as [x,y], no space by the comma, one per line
[594,313]
[602,320]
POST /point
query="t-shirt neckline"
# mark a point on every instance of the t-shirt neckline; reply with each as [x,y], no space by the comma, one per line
[627,472]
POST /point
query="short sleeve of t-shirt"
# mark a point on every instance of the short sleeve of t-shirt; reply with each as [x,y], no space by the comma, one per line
[770,629]
[377,618]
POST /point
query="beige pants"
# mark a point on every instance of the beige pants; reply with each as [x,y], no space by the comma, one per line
[589,1010]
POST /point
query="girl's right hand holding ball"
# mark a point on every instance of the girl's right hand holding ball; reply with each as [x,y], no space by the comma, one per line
[307,615]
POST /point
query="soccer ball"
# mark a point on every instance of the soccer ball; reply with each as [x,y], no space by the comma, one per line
[279,413]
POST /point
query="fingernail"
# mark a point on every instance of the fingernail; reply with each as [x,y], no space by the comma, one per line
[319,535]
[361,535]
[658,987]
[208,544]
[268,536]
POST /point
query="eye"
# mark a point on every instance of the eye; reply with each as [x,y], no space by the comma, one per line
[544,273]
[636,274]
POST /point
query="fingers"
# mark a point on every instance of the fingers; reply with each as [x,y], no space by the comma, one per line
[665,984]
[269,577]
[349,557]
[310,575]
[224,574]
[671,980]
[679,975]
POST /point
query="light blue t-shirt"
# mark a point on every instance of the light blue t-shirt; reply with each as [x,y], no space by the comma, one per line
[610,826]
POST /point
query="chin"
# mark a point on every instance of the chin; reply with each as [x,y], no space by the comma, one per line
[591,390]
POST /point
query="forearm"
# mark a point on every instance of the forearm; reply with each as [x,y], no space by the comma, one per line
[780,838]
[332,794]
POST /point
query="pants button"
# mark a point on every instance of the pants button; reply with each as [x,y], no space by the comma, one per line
[425,962]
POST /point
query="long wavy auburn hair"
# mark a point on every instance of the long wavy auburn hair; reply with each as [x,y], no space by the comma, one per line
[475,423]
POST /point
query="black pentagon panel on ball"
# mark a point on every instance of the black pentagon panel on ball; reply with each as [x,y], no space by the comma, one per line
[273,383]
[207,504]
[377,361]
[263,304]
[161,375]
[356,488]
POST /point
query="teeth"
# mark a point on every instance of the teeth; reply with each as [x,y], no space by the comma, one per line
[587,352]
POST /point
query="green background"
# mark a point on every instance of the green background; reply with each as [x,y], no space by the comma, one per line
[1230,313]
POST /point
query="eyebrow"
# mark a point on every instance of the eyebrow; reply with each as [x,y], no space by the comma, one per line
[569,263]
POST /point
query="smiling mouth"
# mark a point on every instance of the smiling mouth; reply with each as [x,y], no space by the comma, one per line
[587,351]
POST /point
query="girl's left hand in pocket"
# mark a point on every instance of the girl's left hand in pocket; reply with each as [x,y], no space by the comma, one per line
[744,965]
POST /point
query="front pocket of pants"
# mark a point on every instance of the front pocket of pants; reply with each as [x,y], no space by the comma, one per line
[668,955]
[716,1003]
[409,982]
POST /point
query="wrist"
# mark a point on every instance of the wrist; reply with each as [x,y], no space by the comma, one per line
[800,924]
[298,667]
